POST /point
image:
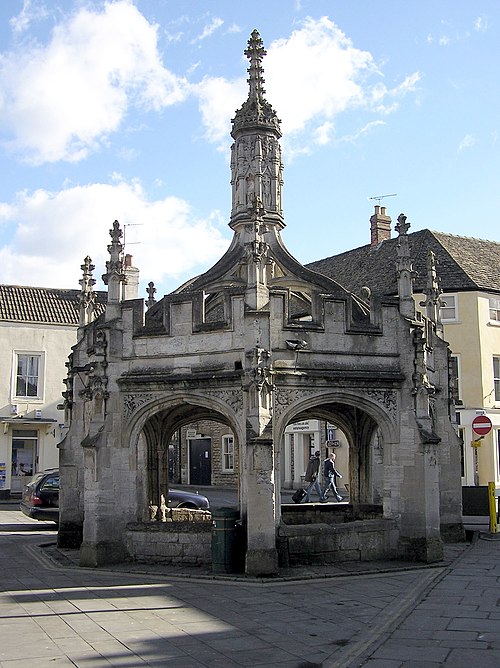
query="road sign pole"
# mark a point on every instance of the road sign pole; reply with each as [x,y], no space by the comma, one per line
[493,507]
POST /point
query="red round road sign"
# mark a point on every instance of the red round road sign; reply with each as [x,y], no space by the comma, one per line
[481,425]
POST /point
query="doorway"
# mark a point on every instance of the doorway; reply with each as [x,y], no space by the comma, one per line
[24,456]
[200,461]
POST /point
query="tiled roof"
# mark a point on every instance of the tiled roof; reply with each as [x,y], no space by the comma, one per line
[463,264]
[42,305]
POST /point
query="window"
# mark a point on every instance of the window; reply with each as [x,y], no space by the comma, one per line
[495,309]
[455,377]
[449,307]
[24,457]
[496,377]
[228,453]
[28,369]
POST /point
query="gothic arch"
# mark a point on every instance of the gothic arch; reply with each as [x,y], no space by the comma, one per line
[361,416]
[371,403]
[151,428]
[181,408]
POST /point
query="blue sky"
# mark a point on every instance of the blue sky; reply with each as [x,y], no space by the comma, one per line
[121,110]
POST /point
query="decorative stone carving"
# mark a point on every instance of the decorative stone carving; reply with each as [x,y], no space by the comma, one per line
[233,398]
[151,290]
[283,398]
[388,399]
[132,402]
[153,510]
[163,509]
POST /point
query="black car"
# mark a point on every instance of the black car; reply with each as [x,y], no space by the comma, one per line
[41,497]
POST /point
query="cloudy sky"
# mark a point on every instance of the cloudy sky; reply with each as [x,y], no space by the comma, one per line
[121,110]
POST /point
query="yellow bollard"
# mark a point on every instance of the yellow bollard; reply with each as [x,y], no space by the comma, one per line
[493,508]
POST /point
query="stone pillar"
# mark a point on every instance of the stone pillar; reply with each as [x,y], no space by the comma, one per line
[258,464]
[262,503]
[412,491]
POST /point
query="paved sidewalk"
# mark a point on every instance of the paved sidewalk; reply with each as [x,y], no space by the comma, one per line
[53,613]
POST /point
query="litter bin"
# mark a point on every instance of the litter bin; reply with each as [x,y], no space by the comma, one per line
[224,540]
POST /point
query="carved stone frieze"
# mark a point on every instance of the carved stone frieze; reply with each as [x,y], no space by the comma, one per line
[132,402]
[386,398]
[283,398]
[286,397]
[233,398]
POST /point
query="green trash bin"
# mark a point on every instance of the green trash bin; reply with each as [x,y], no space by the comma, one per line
[224,540]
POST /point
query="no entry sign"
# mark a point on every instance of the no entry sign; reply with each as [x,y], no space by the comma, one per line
[481,425]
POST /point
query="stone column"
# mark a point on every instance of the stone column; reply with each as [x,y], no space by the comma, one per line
[262,555]
[414,493]
[258,470]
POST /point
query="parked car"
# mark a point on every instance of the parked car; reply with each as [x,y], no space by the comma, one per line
[40,499]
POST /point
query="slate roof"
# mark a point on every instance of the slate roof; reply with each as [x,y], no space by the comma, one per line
[463,264]
[42,305]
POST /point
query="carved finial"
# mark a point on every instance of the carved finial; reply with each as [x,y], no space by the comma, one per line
[256,109]
[404,268]
[87,295]
[114,276]
[87,282]
[433,293]
[151,290]
[365,293]
[402,226]
[255,53]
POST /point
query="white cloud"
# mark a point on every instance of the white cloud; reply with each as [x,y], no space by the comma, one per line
[481,24]
[311,77]
[209,29]
[53,232]
[362,131]
[27,15]
[467,142]
[63,99]
[324,133]
[219,100]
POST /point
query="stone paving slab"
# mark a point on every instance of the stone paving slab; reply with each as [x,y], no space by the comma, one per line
[60,615]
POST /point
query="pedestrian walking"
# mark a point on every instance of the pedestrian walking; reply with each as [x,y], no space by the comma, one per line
[312,477]
[330,475]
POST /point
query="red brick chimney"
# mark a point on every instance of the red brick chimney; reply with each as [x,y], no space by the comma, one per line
[380,226]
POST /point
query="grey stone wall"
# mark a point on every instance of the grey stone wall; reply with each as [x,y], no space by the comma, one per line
[185,540]
[362,540]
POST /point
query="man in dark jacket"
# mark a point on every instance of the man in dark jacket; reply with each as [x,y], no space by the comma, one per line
[330,474]
[311,477]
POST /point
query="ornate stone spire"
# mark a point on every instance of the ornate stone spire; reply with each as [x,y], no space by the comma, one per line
[256,167]
[114,275]
[404,268]
[256,110]
[87,295]
[433,293]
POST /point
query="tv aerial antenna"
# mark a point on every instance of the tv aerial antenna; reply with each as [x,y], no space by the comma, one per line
[379,198]
[130,243]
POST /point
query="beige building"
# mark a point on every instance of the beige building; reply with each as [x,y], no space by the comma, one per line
[37,329]
[468,270]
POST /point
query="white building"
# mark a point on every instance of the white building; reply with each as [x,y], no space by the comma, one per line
[38,327]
